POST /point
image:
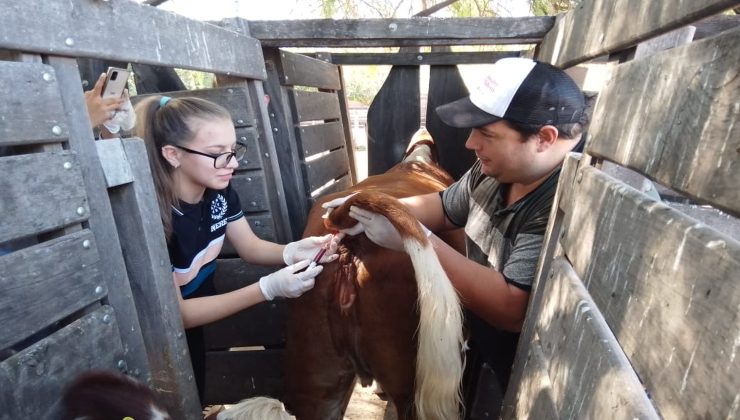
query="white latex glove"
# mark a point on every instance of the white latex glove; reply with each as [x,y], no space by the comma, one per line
[287,283]
[308,248]
[378,228]
[332,204]
[123,118]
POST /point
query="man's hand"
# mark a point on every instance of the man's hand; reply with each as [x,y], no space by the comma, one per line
[378,228]
[288,283]
[307,248]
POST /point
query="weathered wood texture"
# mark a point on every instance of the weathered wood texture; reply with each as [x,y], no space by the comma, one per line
[32,381]
[234,99]
[235,375]
[422,58]
[46,283]
[599,27]
[305,71]
[114,161]
[38,201]
[100,220]
[392,118]
[80,28]
[140,230]
[311,106]
[535,398]
[686,99]
[400,32]
[298,142]
[31,109]
[262,325]
[663,282]
[590,375]
[446,85]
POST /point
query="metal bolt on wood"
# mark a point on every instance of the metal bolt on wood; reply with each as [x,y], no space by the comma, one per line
[419,57]
[80,211]
[240,121]
[86,244]
[249,179]
[48,77]
[121,364]
[275,129]
[253,203]
[69,42]
[393,27]
[106,319]
[243,138]
[67,165]
[99,290]
[57,130]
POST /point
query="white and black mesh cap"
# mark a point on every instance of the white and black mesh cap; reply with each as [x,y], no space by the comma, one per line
[519,90]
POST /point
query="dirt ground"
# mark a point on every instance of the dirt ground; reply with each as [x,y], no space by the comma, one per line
[366,405]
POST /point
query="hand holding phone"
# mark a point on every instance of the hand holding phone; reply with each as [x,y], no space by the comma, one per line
[115,82]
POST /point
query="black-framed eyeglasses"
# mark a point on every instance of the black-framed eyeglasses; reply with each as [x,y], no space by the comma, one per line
[220,160]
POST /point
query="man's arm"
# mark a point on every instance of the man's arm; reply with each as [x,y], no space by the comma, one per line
[482,289]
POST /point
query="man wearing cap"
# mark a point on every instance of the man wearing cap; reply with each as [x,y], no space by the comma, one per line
[525,117]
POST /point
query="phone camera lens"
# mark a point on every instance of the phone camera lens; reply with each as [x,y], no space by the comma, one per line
[114,75]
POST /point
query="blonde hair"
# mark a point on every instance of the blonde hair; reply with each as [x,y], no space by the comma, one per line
[169,121]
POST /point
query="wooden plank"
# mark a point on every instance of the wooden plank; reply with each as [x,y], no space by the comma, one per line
[326,168]
[672,39]
[250,137]
[262,224]
[518,388]
[47,282]
[686,120]
[38,201]
[235,375]
[235,99]
[399,32]
[31,109]
[115,164]
[598,27]
[320,137]
[590,375]
[101,221]
[712,26]
[273,181]
[311,106]
[152,36]
[281,109]
[392,118]
[32,381]
[252,191]
[340,184]
[149,270]
[660,278]
[298,69]
[534,392]
[349,144]
[260,325]
[422,58]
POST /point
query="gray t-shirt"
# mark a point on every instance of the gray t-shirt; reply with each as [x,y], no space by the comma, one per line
[508,239]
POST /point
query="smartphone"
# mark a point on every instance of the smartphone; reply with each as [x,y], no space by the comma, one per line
[115,82]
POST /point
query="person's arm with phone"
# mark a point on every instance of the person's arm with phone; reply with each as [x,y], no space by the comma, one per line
[101,109]
[109,106]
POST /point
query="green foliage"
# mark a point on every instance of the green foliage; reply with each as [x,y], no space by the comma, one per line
[196,79]
[551,7]
[362,83]
[472,8]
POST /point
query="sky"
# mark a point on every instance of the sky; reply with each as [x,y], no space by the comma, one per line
[292,9]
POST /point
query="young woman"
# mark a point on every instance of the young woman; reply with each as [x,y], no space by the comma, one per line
[193,153]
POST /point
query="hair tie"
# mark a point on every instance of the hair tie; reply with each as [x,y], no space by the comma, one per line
[163,101]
